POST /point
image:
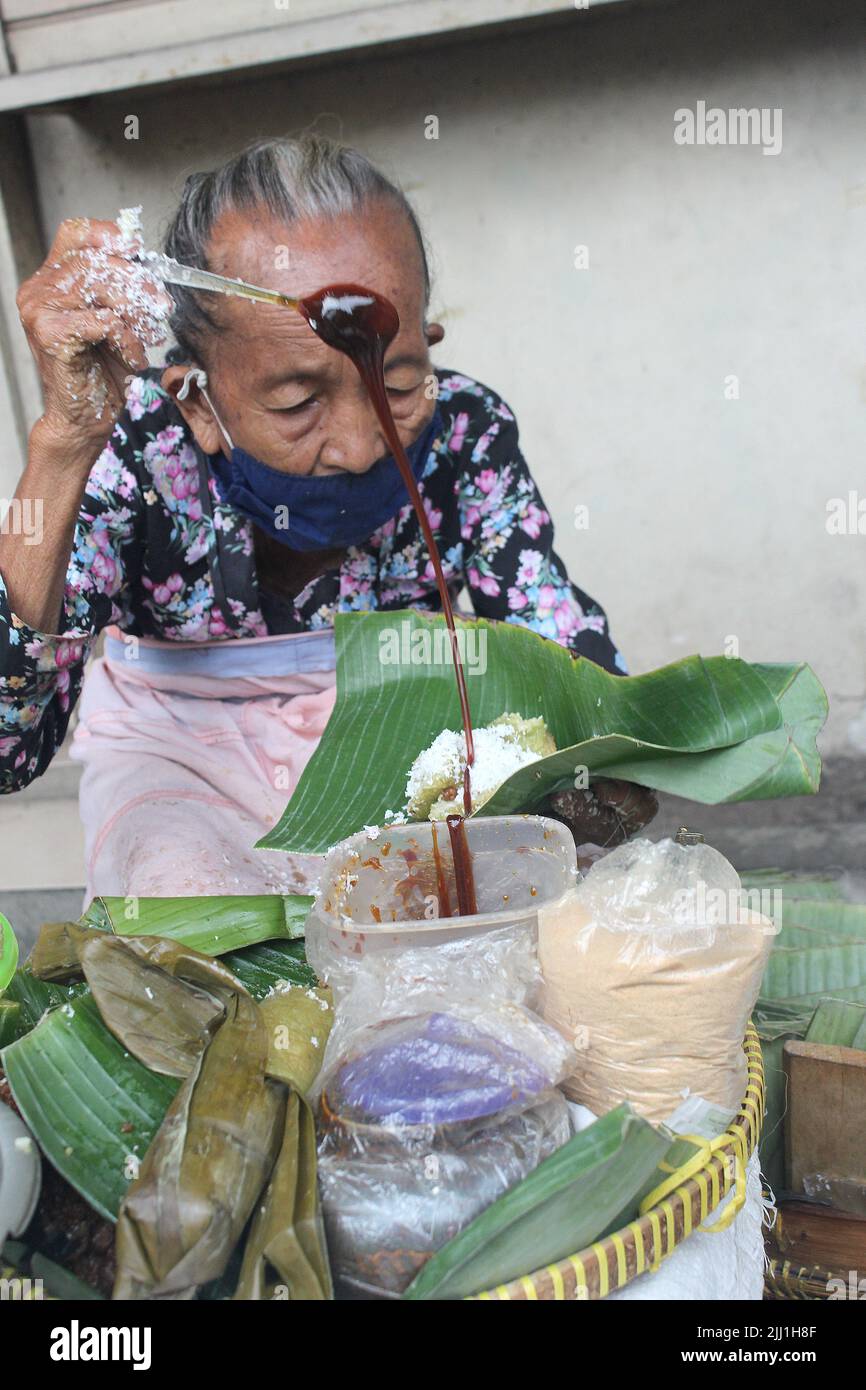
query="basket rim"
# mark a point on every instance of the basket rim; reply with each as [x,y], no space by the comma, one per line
[789,1280]
[613,1262]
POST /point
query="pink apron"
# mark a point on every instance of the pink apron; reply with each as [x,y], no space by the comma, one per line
[190,753]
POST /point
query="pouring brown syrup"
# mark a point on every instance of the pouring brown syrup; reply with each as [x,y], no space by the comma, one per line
[464,878]
[361,324]
[444,898]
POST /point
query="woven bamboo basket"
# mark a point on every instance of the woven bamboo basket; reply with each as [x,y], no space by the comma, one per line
[693,1193]
[787,1281]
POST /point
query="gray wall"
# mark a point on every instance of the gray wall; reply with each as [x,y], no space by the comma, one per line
[707,515]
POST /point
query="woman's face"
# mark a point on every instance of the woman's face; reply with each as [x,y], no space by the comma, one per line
[283,396]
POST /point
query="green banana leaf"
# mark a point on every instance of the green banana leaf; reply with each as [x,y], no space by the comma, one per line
[27,999]
[270,965]
[11,1023]
[776,1022]
[811,905]
[55,1281]
[71,1077]
[774,1019]
[825,917]
[819,952]
[590,1186]
[60,1283]
[794,886]
[715,729]
[809,938]
[212,925]
[807,974]
[838,1022]
[8,953]
[821,948]
[92,1108]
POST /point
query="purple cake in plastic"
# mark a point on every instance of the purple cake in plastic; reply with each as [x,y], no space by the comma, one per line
[435,1069]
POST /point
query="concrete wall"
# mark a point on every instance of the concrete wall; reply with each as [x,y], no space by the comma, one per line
[707,515]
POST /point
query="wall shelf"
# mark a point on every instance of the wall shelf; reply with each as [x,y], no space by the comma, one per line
[208,39]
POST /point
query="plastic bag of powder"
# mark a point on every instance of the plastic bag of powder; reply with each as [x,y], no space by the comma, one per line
[651,970]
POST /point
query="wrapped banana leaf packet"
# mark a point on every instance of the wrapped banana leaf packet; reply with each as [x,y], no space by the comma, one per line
[169,1090]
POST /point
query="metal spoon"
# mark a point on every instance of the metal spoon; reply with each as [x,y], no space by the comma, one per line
[190,278]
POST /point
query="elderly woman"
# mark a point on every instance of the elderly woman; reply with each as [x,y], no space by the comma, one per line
[217,677]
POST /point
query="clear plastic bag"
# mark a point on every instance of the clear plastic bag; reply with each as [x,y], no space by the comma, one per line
[436,1096]
[651,968]
[491,980]
[421,1129]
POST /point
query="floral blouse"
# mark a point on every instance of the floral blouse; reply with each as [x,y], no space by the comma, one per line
[158,553]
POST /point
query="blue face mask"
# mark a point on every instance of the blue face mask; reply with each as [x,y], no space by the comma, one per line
[311,513]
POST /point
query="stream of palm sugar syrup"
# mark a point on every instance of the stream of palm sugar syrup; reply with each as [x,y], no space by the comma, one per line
[361,324]
[442,894]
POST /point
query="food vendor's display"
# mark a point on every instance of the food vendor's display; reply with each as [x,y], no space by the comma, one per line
[410,1097]
[172,1089]
[652,967]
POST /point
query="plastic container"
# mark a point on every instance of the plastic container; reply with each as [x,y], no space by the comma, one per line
[393,1196]
[20,1174]
[423,1123]
[377,893]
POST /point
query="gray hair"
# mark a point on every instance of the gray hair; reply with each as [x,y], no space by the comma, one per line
[312,176]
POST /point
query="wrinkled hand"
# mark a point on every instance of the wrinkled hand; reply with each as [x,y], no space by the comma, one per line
[606,813]
[89,312]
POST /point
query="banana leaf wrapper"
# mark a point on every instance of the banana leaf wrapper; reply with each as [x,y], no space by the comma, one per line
[590,1186]
[298,1022]
[286,1255]
[200,1179]
[184,1014]
[713,729]
[161,999]
[210,924]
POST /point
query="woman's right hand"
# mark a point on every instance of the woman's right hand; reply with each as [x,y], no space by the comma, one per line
[89,313]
